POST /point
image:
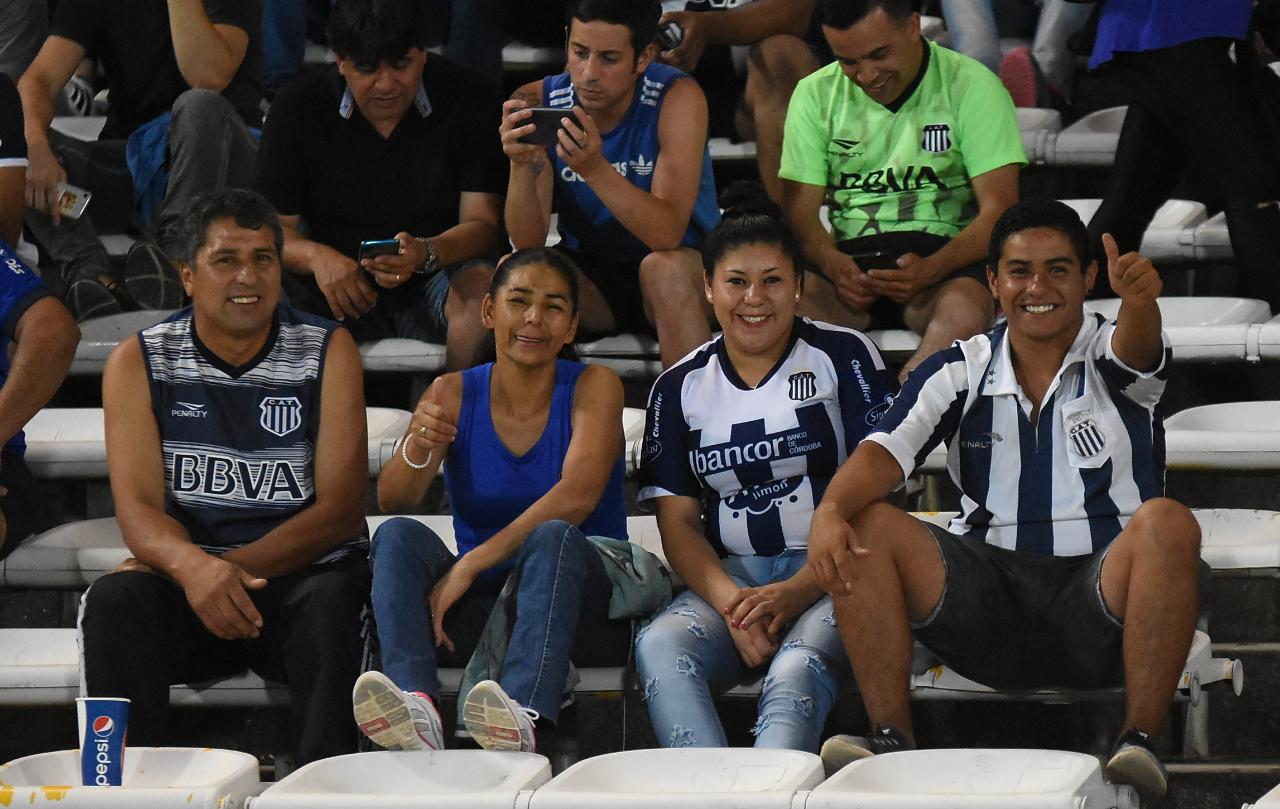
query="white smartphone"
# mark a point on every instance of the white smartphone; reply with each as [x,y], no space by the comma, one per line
[72,200]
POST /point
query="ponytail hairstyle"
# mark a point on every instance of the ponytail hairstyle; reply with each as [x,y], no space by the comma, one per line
[559,263]
[749,217]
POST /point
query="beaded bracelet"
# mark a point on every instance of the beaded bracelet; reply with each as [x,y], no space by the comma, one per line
[404,454]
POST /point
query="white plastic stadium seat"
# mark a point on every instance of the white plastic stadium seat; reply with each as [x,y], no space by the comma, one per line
[1205,329]
[69,442]
[152,777]
[1268,340]
[895,343]
[70,556]
[1177,313]
[972,779]
[1239,538]
[1038,127]
[39,667]
[100,335]
[632,356]
[42,667]
[476,779]
[1201,669]
[117,244]
[81,127]
[1233,436]
[520,56]
[1272,799]
[1171,235]
[398,354]
[1090,141]
[683,778]
[1212,241]
[724,149]
[633,437]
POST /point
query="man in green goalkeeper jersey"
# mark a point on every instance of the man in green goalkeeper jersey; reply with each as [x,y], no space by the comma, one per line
[915,150]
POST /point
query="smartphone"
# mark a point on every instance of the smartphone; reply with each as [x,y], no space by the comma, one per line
[669,36]
[875,260]
[378,247]
[72,200]
[547,121]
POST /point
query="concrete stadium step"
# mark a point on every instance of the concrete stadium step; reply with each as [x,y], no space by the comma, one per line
[1248,726]
[1219,784]
[1244,606]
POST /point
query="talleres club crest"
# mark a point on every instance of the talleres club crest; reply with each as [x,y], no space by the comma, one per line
[281,415]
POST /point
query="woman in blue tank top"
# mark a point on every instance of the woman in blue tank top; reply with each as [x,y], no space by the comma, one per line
[534,449]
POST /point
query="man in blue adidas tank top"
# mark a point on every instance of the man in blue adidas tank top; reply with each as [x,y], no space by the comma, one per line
[38,338]
[236,447]
[1066,566]
[630,175]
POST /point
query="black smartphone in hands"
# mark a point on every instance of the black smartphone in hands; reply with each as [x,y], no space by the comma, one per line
[875,260]
[669,36]
[373,248]
[546,121]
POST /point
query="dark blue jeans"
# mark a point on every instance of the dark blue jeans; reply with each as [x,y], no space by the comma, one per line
[563,596]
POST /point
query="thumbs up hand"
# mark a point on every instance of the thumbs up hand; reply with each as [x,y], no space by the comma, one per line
[431,428]
[1133,277]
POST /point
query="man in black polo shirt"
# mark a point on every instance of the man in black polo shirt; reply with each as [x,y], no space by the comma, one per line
[390,143]
[185,89]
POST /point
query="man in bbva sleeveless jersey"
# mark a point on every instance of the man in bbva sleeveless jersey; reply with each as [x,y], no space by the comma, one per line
[236,447]
[631,178]
[916,150]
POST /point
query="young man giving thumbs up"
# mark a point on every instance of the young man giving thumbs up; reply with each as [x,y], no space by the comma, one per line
[1065,566]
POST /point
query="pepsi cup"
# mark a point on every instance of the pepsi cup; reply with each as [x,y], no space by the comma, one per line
[104,723]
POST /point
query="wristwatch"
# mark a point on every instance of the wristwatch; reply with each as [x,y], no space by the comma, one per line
[430,265]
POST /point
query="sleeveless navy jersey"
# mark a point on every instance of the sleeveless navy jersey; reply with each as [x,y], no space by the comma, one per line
[239,442]
[586,224]
[759,459]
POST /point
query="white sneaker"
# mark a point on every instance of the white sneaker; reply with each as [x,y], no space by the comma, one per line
[496,721]
[395,719]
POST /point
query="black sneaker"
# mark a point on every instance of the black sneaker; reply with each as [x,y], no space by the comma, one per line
[150,279]
[840,750]
[88,298]
[1133,762]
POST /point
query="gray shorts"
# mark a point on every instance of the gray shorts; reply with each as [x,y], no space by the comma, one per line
[1014,620]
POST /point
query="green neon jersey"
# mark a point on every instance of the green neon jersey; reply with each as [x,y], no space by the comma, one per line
[904,170]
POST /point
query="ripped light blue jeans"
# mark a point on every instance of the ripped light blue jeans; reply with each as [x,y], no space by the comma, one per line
[687,652]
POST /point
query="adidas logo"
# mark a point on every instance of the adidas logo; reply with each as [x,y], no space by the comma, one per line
[641,166]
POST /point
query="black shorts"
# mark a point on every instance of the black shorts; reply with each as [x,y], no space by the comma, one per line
[619,283]
[20,505]
[1013,620]
[886,313]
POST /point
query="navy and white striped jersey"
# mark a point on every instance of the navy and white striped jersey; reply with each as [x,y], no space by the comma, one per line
[239,442]
[1065,485]
[760,458]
